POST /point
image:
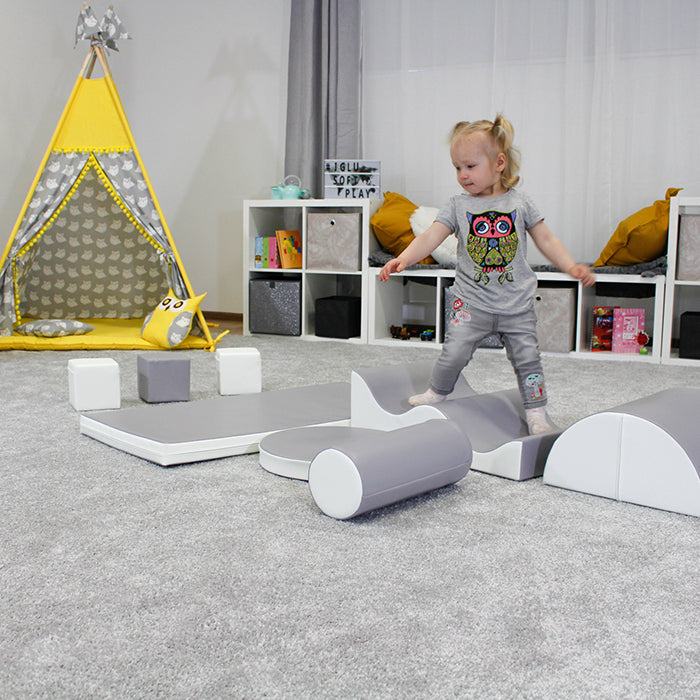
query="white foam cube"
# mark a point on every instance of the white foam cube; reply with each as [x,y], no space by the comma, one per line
[240,370]
[94,384]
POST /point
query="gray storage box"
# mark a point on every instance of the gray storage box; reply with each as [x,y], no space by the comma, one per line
[556,314]
[689,248]
[274,306]
[333,242]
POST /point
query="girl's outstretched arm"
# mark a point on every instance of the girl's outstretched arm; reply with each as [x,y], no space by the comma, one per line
[420,247]
[555,251]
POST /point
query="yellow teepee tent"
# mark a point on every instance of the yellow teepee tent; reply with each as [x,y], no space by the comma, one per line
[91,247]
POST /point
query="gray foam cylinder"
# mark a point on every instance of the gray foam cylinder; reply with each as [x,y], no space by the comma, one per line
[358,475]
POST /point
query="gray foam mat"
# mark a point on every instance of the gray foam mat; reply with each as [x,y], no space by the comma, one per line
[175,433]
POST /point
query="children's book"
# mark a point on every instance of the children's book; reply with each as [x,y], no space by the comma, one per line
[289,248]
[274,255]
[258,251]
[628,324]
[602,333]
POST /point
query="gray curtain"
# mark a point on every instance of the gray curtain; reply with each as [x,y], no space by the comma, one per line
[323,93]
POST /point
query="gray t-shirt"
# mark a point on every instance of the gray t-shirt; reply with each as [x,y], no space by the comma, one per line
[492,270]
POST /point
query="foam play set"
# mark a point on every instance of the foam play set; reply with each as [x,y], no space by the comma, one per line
[361,446]
[92,264]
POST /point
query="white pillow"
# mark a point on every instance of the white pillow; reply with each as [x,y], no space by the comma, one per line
[446,252]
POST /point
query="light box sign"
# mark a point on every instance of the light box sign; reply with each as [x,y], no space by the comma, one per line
[352,179]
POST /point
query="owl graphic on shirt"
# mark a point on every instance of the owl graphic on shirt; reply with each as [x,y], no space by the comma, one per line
[492,243]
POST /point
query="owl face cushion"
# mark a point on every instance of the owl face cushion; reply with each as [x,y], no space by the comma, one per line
[170,322]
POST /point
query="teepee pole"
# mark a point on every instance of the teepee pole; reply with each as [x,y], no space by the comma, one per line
[102,58]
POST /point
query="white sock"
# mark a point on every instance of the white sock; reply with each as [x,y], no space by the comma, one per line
[427,397]
[537,422]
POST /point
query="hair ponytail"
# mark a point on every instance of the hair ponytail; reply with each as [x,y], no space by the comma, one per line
[503,134]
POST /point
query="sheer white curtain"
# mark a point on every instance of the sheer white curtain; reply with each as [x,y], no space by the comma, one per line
[604,96]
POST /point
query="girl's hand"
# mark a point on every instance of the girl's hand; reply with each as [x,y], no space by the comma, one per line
[394,265]
[582,272]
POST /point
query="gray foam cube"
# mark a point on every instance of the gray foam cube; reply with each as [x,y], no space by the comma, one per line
[163,378]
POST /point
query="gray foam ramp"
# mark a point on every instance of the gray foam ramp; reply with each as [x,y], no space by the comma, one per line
[494,423]
[391,386]
[645,452]
[177,433]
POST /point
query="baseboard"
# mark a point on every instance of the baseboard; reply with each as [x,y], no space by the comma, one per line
[223,316]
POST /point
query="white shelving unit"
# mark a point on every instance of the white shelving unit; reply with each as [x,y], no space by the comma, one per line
[416,297]
[681,295]
[263,217]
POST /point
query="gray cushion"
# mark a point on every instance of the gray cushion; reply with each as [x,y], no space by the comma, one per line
[54,327]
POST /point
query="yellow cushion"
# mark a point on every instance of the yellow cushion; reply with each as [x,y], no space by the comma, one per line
[170,322]
[391,224]
[640,237]
[109,334]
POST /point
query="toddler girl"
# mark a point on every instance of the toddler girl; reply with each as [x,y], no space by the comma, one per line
[494,285]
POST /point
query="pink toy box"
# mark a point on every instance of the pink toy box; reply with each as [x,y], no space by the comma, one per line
[628,324]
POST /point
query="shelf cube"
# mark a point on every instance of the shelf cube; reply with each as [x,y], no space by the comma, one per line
[162,379]
[93,384]
[239,370]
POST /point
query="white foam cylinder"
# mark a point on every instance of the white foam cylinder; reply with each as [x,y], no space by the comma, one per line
[357,475]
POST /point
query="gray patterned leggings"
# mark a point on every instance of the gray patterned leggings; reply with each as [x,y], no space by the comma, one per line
[517,332]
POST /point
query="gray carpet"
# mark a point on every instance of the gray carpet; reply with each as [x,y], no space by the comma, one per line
[219,580]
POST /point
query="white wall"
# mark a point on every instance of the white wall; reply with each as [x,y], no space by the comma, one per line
[204,88]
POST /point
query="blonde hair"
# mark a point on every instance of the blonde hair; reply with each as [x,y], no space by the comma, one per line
[501,132]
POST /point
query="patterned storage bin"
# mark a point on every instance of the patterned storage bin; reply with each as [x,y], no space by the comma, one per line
[333,242]
[689,248]
[275,306]
[556,314]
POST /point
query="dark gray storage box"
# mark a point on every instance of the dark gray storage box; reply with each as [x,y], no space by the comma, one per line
[274,306]
[338,317]
[689,341]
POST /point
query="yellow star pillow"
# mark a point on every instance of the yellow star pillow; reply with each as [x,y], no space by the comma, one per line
[170,322]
